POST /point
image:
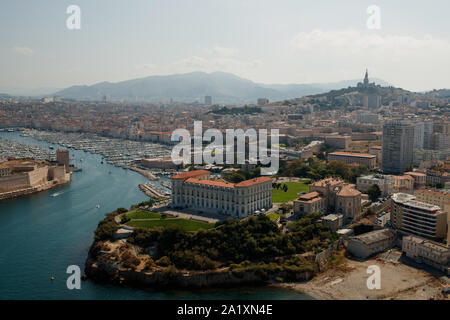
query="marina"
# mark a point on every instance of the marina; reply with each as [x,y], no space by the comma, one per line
[46,234]
[117,152]
[15,149]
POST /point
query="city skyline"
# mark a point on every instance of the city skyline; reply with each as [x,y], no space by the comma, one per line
[260,41]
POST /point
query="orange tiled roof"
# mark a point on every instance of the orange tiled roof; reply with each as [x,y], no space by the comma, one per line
[322,183]
[417,174]
[353,154]
[189,174]
[309,196]
[433,192]
[348,191]
[251,182]
[403,177]
[217,183]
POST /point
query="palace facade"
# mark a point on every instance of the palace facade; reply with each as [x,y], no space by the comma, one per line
[196,190]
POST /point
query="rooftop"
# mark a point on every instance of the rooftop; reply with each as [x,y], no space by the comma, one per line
[217,183]
[252,182]
[415,174]
[352,154]
[374,236]
[410,200]
[348,191]
[189,174]
[433,192]
[427,243]
[327,181]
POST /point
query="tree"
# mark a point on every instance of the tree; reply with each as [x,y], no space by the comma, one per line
[374,192]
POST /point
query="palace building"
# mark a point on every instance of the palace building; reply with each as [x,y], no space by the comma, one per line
[330,195]
[196,190]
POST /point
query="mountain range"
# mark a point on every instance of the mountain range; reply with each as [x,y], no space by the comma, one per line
[194,86]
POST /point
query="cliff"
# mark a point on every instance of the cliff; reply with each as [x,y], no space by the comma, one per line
[105,272]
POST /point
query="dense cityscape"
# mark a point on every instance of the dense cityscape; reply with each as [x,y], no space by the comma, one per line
[216,157]
[369,163]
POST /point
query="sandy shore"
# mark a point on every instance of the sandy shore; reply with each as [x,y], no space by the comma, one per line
[348,281]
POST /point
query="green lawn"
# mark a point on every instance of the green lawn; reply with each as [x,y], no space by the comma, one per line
[274,216]
[142,214]
[279,196]
[188,225]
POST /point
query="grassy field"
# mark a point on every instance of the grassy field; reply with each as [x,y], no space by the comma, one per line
[142,214]
[274,216]
[188,225]
[279,196]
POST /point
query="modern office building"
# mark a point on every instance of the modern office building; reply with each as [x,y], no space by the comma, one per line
[410,216]
[398,141]
[196,190]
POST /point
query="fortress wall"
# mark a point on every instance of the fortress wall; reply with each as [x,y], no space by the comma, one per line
[14,182]
[38,176]
[59,174]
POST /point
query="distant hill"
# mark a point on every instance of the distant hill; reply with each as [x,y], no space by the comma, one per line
[441,93]
[29,92]
[189,87]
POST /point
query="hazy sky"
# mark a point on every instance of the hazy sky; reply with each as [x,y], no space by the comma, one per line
[268,41]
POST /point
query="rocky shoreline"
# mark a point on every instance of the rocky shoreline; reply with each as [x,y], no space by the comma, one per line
[106,272]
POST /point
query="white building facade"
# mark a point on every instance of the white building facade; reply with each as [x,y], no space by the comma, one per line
[196,190]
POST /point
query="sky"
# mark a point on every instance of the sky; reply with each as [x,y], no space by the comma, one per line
[266,41]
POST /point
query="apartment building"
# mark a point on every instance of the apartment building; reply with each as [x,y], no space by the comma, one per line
[420,179]
[384,182]
[434,197]
[418,218]
[196,190]
[398,141]
[429,252]
[403,184]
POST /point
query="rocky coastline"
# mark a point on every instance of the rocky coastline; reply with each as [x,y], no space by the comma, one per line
[99,270]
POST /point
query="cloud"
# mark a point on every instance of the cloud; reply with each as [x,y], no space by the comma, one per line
[216,58]
[335,54]
[25,51]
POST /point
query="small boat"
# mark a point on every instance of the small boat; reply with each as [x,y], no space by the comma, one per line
[51,148]
[52,277]
[97,206]
[109,172]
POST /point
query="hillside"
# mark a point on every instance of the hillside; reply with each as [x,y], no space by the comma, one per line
[190,87]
